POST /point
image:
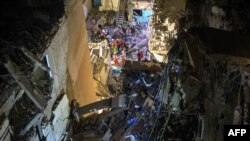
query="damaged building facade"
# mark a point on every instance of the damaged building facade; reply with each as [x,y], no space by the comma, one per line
[42,68]
[114,70]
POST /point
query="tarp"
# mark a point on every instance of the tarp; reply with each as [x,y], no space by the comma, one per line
[146,14]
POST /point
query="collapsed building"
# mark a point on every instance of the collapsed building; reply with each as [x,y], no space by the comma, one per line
[123,70]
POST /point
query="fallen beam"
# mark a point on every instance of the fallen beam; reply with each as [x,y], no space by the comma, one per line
[33,93]
[4,129]
[95,106]
[118,103]
[32,57]
[35,121]
[10,102]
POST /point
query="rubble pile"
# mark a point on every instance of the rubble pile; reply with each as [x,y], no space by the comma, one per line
[96,21]
[99,54]
[140,83]
[20,116]
[120,38]
[180,103]
[164,27]
[112,42]
[139,90]
[176,101]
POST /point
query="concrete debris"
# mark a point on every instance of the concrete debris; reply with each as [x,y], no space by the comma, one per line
[34,94]
[22,116]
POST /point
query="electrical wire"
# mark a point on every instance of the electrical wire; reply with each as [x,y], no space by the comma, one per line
[139,115]
[163,99]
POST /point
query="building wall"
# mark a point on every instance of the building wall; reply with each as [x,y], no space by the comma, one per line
[109,5]
[80,74]
[57,54]
[141,4]
[87,6]
[68,56]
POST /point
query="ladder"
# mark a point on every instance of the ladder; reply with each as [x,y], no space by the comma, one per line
[121,12]
[119,18]
[93,58]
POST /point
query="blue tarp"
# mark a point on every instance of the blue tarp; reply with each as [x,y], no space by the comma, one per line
[146,14]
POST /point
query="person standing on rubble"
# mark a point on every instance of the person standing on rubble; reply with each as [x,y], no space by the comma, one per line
[120,46]
[140,55]
[122,43]
[117,42]
[109,38]
[124,29]
[116,63]
[113,48]
[123,56]
[132,30]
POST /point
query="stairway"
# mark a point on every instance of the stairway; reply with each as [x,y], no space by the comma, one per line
[120,13]
[119,18]
[93,58]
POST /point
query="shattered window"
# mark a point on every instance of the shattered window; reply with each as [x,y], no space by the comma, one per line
[137,12]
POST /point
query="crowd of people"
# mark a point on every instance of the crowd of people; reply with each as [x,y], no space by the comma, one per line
[127,41]
[121,40]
